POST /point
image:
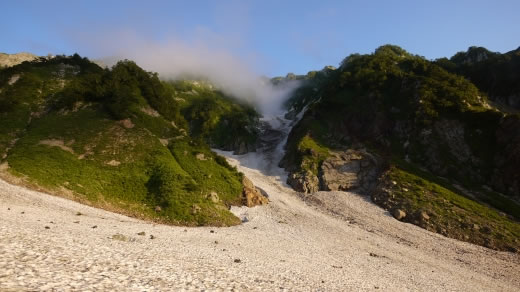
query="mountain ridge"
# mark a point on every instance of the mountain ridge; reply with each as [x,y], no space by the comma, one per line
[395,125]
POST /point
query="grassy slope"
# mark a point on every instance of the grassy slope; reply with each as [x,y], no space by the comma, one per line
[111,164]
[451,212]
[222,121]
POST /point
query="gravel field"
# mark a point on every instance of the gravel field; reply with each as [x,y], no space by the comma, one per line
[329,241]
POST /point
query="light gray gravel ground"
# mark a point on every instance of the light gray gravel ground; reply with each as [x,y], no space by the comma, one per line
[331,242]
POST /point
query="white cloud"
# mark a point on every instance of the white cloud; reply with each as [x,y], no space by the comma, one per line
[207,57]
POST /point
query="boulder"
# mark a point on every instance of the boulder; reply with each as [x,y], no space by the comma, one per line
[251,195]
[213,196]
[349,170]
[399,214]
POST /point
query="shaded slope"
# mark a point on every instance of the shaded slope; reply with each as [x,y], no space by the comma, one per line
[398,113]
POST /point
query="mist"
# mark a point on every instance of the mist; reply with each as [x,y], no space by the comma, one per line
[176,59]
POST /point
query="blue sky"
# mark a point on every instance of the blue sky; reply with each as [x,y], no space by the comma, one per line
[273,37]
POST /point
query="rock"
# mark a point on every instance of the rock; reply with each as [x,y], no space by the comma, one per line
[475,226]
[122,237]
[304,182]
[399,214]
[152,237]
[424,216]
[158,209]
[94,227]
[242,149]
[47,227]
[113,163]
[142,233]
[9,60]
[200,156]
[213,196]
[251,195]
[348,170]
[486,229]
[127,123]
[78,214]
[452,132]
[237,261]
[195,209]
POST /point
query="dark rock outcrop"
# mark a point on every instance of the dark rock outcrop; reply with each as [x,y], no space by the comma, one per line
[305,182]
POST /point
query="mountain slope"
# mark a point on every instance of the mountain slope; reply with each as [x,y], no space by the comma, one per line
[116,138]
[496,74]
[424,142]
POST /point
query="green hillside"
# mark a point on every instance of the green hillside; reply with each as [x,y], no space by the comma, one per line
[431,132]
[123,140]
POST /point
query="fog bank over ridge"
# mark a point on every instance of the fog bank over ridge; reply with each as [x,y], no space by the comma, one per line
[176,59]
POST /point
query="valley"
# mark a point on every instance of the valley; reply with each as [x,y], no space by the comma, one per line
[328,241]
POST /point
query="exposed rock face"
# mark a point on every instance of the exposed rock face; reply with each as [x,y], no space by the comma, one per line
[251,195]
[506,177]
[452,132]
[349,170]
[238,147]
[305,182]
[241,149]
[8,60]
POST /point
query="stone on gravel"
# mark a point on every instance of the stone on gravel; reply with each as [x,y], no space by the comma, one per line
[399,214]
[122,237]
[252,196]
